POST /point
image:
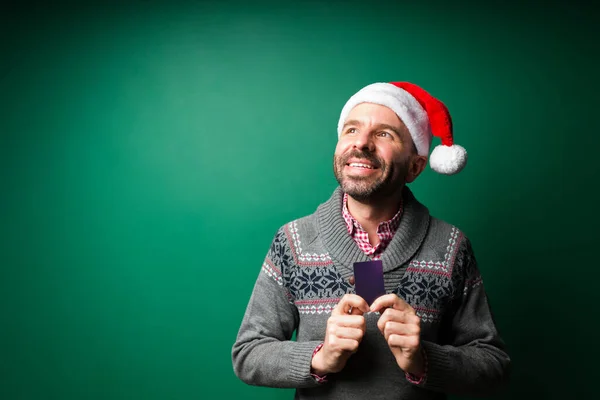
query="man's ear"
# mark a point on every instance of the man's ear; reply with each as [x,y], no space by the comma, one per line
[415,166]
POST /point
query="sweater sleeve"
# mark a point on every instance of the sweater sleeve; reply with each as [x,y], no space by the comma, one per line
[263,353]
[472,360]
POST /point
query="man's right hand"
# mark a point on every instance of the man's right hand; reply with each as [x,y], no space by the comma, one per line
[345,329]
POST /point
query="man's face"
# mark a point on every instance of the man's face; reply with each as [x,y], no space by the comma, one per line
[373,154]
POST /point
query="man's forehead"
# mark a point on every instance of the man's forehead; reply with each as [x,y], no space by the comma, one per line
[373,114]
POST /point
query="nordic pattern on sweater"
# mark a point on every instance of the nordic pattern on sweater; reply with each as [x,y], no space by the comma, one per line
[313,284]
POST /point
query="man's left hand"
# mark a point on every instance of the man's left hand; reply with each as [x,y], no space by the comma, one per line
[401,328]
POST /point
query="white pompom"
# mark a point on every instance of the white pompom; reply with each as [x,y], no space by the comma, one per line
[448,160]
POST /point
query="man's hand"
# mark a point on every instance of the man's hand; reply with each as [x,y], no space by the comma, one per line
[345,329]
[401,328]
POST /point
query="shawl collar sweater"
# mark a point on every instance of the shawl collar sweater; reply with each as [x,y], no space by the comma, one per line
[429,263]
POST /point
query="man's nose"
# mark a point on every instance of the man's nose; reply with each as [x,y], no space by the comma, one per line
[364,141]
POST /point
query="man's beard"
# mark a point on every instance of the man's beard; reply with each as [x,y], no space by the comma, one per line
[369,188]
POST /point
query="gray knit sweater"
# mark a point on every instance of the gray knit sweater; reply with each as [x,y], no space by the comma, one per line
[429,263]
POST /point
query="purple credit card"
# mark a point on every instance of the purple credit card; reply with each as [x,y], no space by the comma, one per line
[368,279]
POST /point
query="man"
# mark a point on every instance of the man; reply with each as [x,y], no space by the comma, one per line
[432,333]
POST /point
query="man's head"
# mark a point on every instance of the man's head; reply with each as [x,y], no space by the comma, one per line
[385,132]
[375,155]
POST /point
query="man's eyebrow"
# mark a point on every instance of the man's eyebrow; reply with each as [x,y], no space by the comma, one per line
[378,126]
[399,132]
[352,122]
[391,128]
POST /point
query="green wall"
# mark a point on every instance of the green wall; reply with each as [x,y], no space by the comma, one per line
[150,150]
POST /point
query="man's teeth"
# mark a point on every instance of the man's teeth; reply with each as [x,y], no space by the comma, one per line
[359,165]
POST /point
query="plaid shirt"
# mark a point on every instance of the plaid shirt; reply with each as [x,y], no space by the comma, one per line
[385,232]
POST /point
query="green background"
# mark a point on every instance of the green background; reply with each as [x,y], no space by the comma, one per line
[150,150]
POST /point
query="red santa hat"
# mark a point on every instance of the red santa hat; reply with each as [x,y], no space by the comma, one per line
[423,115]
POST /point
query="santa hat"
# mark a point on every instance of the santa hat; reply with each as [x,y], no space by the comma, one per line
[423,115]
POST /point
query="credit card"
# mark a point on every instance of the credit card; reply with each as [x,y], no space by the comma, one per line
[368,280]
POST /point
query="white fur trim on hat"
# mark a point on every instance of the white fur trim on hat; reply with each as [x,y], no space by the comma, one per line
[402,103]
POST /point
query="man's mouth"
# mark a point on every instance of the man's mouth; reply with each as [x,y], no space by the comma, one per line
[360,165]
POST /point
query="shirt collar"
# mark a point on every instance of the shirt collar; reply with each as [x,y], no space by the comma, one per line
[352,223]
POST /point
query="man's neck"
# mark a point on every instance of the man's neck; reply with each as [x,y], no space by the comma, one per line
[370,214]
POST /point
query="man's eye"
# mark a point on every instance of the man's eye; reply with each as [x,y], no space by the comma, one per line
[385,134]
[351,130]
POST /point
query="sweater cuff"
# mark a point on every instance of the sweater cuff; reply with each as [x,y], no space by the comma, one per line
[438,365]
[300,363]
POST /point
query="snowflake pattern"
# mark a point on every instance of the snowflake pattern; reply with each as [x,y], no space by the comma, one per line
[318,283]
[316,287]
